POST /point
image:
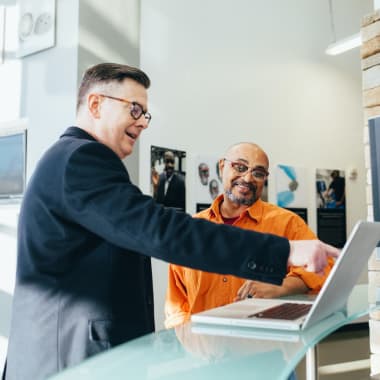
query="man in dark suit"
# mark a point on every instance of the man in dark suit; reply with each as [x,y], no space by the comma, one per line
[336,190]
[86,235]
[169,187]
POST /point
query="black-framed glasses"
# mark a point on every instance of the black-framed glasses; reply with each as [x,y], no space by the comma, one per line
[136,109]
[258,172]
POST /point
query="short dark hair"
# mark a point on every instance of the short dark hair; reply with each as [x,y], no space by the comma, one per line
[109,72]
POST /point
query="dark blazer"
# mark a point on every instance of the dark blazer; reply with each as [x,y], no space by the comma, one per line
[85,238]
[175,195]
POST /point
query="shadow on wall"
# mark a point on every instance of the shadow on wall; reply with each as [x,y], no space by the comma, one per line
[5,315]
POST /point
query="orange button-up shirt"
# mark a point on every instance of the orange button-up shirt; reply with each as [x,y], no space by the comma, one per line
[191,291]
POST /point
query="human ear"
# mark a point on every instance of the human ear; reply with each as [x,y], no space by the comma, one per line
[93,104]
[221,166]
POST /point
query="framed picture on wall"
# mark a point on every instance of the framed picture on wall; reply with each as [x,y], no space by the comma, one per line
[36,26]
[291,189]
[168,173]
[208,182]
[331,210]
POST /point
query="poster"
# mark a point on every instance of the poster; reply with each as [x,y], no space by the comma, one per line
[291,189]
[168,172]
[331,210]
[330,189]
[208,182]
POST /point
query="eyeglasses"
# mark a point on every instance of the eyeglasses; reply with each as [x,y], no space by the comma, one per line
[136,108]
[241,169]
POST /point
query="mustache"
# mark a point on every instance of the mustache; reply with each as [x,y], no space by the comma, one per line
[250,186]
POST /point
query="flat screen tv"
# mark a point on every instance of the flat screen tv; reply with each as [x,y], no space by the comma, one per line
[12,164]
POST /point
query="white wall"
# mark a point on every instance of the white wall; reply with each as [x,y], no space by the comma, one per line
[49,85]
[226,71]
[10,70]
[110,32]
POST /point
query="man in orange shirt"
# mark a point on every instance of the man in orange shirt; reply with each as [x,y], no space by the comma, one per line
[244,171]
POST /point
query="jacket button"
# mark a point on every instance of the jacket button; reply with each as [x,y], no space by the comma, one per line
[251,265]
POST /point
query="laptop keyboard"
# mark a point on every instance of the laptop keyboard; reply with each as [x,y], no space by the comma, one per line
[288,311]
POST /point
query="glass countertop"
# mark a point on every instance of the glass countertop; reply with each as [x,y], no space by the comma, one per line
[195,351]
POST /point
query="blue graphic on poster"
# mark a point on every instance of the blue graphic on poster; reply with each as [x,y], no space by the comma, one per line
[291,186]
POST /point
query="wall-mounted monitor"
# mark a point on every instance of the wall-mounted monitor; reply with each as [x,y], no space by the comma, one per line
[374,138]
[12,164]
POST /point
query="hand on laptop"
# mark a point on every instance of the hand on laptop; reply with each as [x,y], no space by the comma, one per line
[258,289]
[311,254]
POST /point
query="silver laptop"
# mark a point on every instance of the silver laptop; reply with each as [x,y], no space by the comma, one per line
[268,334]
[282,314]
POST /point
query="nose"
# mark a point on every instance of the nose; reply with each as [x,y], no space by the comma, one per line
[250,175]
[143,123]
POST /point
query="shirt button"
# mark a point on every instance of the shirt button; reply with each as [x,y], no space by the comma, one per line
[225,279]
[251,265]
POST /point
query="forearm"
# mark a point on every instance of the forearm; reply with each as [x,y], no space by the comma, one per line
[293,285]
[176,318]
[290,285]
[176,302]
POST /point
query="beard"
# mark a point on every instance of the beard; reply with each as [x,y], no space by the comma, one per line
[242,200]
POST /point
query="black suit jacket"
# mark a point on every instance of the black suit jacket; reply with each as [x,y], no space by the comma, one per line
[175,195]
[85,238]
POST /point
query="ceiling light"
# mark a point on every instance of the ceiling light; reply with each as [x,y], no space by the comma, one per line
[344,44]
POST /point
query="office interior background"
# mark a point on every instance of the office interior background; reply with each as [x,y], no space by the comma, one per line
[221,71]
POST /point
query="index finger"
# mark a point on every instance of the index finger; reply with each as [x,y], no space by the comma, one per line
[244,289]
[331,251]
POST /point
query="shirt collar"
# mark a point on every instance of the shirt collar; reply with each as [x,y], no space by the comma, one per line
[77,132]
[255,211]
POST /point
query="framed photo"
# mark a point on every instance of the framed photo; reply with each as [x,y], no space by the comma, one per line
[36,26]
[208,182]
[168,176]
[291,189]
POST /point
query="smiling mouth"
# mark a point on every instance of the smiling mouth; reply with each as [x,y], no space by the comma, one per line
[245,187]
[131,135]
